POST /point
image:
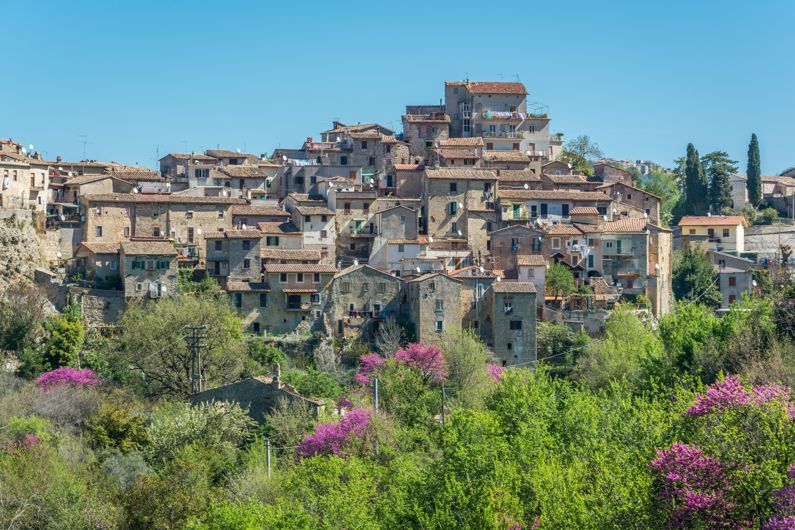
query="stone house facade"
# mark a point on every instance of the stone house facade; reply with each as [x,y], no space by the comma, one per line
[148,269]
[234,254]
[630,195]
[513,322]
[294,301]
[432,303]
[358,299]
[424,127]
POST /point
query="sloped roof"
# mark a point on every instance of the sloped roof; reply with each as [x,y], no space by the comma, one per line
[299,267]
[474,141]
[409,167]
[517,175]
[161,198]
[554,194]
[492,87]
[101,247]
[456,153]
[278,227]
[584,210]
[531,260]
[242,172]
[505,156]
[290,253]
[258,210]
[460,173]
[714,220]
[513,287]
[148,248]
[313,210]
[240,286]
[247,233]
[631,224]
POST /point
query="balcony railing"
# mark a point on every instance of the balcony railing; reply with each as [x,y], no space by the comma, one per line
[303,306]
[506,116]
[502,134]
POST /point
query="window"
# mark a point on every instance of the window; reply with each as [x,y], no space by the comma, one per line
[246,244]
[365,287]
[401,248]
[272,241]
[732,298]
[189,214]
[263,299]
[220,213]
[150,264]
[402,219]
[255,327]
[98,231]
[99,211]
[299,277]
[692,231]
[725,232]
[346,287]
[238,298]
[366,207]
[453,187]
[531,273]
[324,218]
[353,246]
[439,326]
[114,265]
[307,219]
[155,231]
[246,263]
[507,304]
[126,231]
[371,161]
[343,160]
[323,234]
[314,298]
[732,281]
[608,244]
[555,242]
[439,304]
[432,287]
[381,287]
[139,286]
[219,245]
[283,277]
[316,277]
[202,173]
[364,144]
[346,207]
[516,324]
[454,227]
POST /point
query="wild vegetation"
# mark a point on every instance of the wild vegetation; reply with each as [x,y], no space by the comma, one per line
[686,425]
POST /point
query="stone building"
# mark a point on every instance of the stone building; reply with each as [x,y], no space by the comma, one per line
[527,205]
[248,215]
[460,206]
[99,263]
[423,127]
[182,218]
[251,299]
[626,194]
[723,233]
[408,182]
[475,312]
[24,178]
[735,276]
[432,303]
[318,229]
[513,322]
[148,268]
[234,255]
[509,244]
[611,173]
[354,222]
[257,395]
[294,298]
[358,300]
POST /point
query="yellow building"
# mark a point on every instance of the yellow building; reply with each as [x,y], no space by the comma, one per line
[724,233]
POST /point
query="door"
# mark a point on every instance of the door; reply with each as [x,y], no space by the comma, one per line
[516,211]
[618,247]
[565,210]
[544,209]
[217,270]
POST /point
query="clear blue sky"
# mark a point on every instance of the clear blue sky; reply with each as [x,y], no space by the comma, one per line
[642,79]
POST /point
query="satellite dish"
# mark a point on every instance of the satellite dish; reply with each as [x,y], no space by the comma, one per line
[356,263]
[237,150]
[482,270]
[430,239]
[418,269]
[499,279]
[24,151]
[709,214]
[244,226]
[459,233]
[135,190]
[199,231]
[58,254]
[60,168]
[69,174]
[460,204]
[529,153]
[526,186]
[30,147]
[339,139]
[753,282]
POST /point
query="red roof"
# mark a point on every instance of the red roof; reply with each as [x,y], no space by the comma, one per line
[494,87]
[714,220]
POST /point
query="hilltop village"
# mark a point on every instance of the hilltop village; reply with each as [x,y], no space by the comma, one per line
[465,219]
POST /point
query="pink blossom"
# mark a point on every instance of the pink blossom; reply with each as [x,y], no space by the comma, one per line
[696,483]
[367,365]
[730,393]
[778,522]
[67,376]
[496,371]
[427,357]
[334,438]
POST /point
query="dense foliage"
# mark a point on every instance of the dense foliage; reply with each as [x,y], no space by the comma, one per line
[682,423]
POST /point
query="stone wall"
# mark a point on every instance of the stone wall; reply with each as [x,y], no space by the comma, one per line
[20,251]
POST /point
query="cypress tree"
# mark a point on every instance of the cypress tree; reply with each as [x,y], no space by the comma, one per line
[696,187]
[754,173]
[719,168]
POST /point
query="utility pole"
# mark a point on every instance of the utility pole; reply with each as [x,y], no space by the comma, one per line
[375,395]
[443,396]
[268,456]
[195,336]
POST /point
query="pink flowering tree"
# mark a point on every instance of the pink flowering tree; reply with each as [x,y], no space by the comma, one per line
[67,376]
[495,371]
[426,358]
[336,438]
[729,469]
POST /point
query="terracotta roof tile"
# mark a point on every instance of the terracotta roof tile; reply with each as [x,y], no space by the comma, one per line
[715,220]
[299,267]
[313,210]
[278,228]
[530,260]
[513,287]
[247,233]
[239,286]
[492,87]
[258,211]
[290,253]
[505,156]
[161,198]
[148,248]
[456,153]
[584,210]
[631,224]
[554,194]
[474,141]
[461,173]
[409,167]
[100,247]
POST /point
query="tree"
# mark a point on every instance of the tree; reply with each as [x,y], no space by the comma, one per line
[664,184]
[65,342]
[466,357]
[560,280]
[696,186]
[719,168]
[754,172]
[153,340]
[629,351]
[584,148]
[21,312]
[694,278]
[390,337]
[579,153]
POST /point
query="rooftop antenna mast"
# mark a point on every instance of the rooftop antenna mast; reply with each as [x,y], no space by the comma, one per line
[85,141]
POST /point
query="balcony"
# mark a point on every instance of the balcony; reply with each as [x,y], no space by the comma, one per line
[367,314]
[502,116]
[188,252]
[362,232]
[292,306]
[508,135]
